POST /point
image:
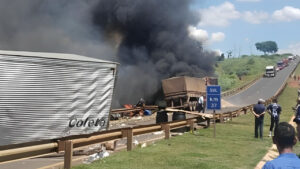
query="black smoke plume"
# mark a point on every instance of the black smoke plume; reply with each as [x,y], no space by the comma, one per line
[155,43]
[150,37]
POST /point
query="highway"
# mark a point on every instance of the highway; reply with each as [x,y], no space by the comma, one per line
[264,88]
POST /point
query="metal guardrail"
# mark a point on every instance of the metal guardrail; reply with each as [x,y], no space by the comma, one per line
[236,90]
[67,144]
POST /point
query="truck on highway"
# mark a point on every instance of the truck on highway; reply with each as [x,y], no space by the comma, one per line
[285,62]
[52,95]
[291,58]
[270,71]
[185,91]
[280,65]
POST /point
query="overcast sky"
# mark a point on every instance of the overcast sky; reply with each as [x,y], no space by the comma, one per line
[237,25]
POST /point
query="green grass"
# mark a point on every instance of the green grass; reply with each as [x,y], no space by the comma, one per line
[233,148]
[247,68]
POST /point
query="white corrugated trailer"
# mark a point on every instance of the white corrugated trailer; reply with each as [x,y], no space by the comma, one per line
[53,95]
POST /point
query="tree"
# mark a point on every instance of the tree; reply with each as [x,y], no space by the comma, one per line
[267,47]
[221,58]
[229,54]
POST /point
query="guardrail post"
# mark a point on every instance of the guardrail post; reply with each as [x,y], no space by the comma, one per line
[214,116]
[208,122]
[68,154]
[221,118]
[245,110]
[129,139]
[127,132]
[166,128]
[191,124]
[238,113]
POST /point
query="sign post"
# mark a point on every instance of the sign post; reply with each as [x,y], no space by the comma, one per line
[213,101]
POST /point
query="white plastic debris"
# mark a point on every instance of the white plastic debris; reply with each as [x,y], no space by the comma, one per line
[92,158]
[143,145]
[103,154]
[138,118]
[97,156]
[123,124]
[158,133]
[135,142]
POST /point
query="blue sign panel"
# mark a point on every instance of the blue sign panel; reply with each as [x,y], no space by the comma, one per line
[213,97]
[213,90]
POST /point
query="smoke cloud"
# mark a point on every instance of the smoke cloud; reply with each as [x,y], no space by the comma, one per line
[155,43]
[52,26]
[148,37]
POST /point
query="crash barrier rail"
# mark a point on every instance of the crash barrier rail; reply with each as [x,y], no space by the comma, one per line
[67,144]
[245,86]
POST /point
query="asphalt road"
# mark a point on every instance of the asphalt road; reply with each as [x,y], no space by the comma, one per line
[263,88]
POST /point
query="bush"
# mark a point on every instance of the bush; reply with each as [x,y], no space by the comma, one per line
[251,61]
[242,72]
[227,82]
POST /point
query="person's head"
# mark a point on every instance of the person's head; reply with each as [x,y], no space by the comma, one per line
[284,136]
[298,100]
[274,100]
[261,101]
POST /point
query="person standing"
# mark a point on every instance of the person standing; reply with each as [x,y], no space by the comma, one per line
[297,117]
[274,110]
[285,139]
[162,114]
[259,112]
[201,104]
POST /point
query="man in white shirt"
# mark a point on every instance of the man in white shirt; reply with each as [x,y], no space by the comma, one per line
[201,104]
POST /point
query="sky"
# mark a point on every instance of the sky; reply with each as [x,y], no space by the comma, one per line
[236,25]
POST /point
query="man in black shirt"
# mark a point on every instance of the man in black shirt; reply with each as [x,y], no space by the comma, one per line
[259,112]
[274,110]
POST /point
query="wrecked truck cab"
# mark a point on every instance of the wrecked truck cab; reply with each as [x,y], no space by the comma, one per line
[184,92]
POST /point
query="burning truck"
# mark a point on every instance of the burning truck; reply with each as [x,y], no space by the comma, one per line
[52,95]
[185,91]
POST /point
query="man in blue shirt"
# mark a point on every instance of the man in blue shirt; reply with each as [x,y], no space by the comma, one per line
[274,110]
[259,112]
[285,139]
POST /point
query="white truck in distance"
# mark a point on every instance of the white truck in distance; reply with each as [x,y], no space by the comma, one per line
[270,71]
